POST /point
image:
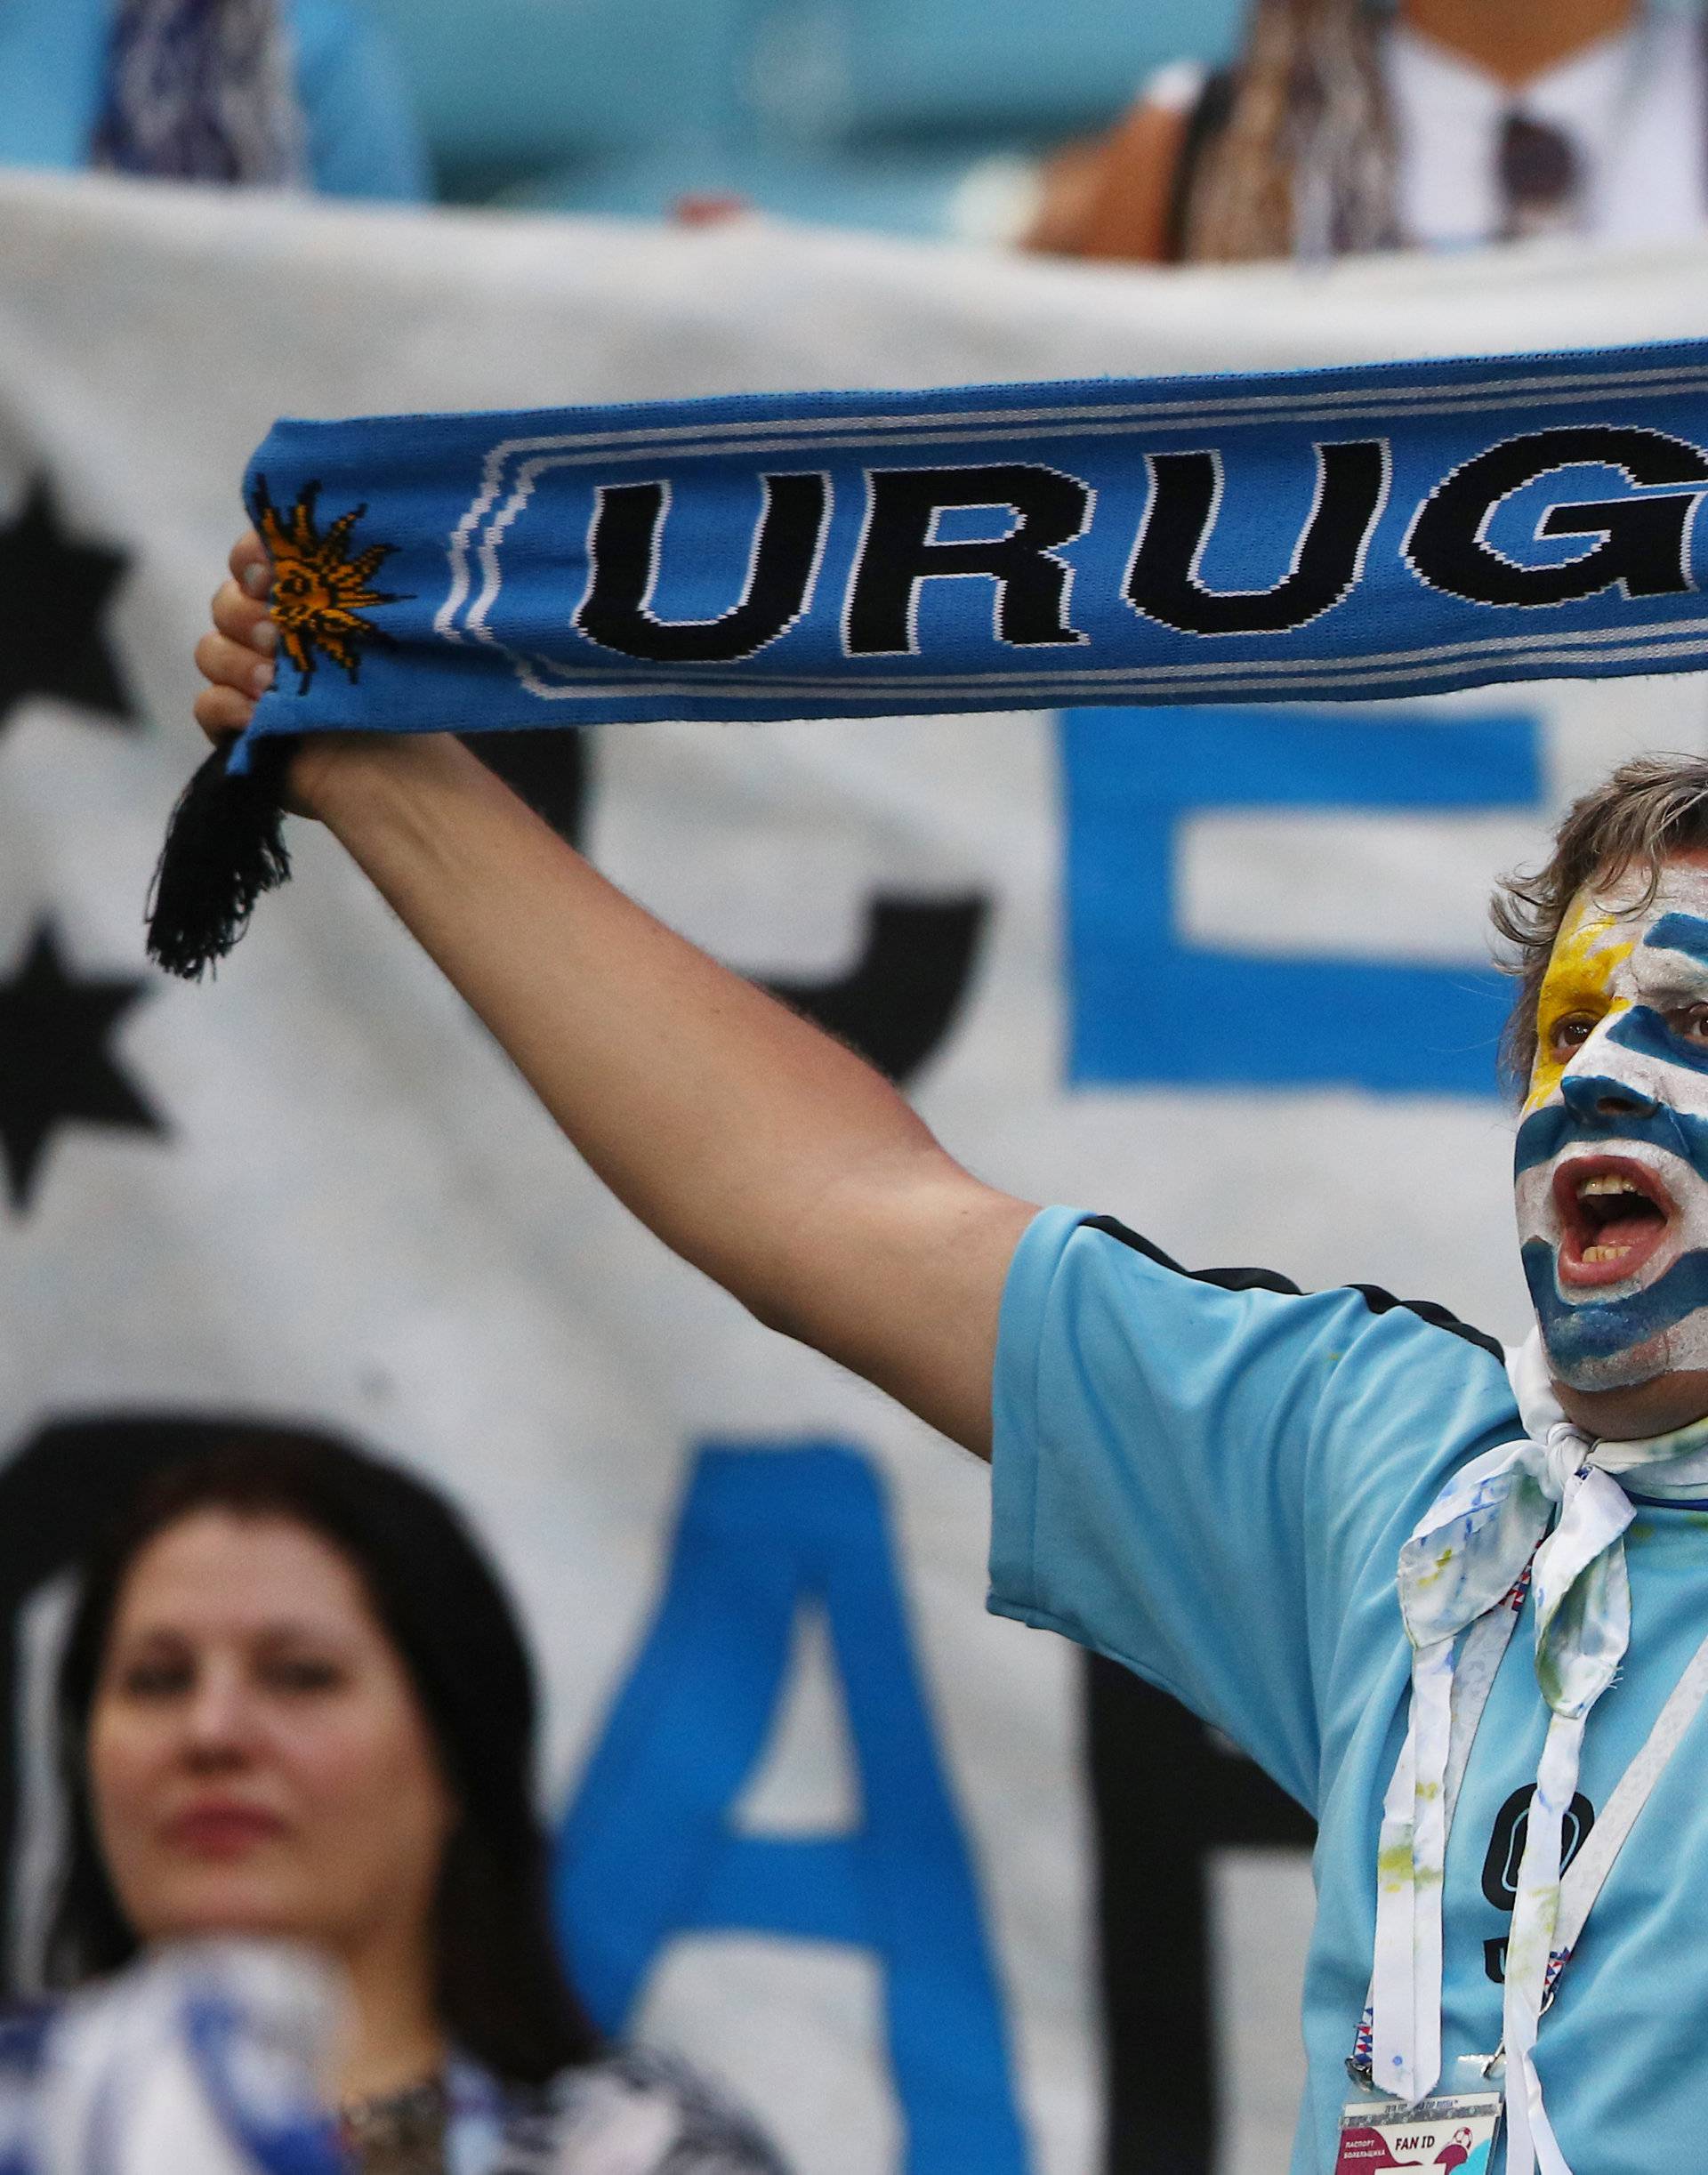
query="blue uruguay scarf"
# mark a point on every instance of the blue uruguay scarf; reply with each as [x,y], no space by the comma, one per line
[1346,535]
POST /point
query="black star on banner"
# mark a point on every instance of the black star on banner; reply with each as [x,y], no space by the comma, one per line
[56,1065]
[54,598]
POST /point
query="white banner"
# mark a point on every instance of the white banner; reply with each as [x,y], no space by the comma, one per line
[1223,976]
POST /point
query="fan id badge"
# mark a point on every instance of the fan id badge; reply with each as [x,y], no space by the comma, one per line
[1453,2132]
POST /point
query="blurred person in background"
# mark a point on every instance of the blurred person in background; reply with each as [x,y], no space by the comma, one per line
[1348,125]
[295,1704]
[265,93]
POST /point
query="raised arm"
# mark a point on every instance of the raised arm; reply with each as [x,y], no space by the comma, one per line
[756,1147]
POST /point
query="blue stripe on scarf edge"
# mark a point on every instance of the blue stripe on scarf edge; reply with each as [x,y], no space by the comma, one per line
[276,716]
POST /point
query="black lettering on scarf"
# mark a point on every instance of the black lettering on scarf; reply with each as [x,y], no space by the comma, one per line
[900,551]
[1185,498]
[625,542]
[1645,542]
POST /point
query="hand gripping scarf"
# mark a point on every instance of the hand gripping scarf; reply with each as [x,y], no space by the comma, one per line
[1336,534]
[1550,1510]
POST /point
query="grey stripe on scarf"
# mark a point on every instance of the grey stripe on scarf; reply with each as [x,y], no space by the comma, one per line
[202,91]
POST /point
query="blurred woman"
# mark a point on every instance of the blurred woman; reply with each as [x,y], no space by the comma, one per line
[294,1703]
[1346,125]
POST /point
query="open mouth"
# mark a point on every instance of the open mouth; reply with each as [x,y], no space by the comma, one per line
[1614,1215]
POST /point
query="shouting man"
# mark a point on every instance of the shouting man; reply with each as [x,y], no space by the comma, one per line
[1449,1600]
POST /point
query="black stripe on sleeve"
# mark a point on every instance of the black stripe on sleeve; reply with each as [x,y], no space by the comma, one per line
[1268,1280]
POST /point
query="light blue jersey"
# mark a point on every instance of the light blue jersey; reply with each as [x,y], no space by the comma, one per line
[1210,1478]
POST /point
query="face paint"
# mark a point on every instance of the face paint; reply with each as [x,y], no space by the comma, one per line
[1612,1162]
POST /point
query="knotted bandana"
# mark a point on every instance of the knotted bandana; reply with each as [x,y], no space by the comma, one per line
[1327,534]
[1549,1509]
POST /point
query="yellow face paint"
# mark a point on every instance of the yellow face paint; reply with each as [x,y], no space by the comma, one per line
[1591,946]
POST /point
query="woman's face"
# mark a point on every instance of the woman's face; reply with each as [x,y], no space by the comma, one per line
[258,1761]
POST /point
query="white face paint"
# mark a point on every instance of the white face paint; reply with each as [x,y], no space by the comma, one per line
[1612,1160]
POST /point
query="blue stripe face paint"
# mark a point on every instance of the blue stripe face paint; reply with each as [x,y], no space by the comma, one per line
[1647,1032]
[1679,932]
[1611,1163]
[1578,1336]
[1545,1131]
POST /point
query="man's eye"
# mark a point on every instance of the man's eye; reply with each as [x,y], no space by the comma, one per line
[1690,1022]
[1571,1033]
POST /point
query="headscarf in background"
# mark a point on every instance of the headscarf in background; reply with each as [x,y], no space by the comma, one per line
[1302,159]
[202,91]
[1305,163]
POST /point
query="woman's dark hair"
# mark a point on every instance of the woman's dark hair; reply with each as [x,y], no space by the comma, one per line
[501,1992]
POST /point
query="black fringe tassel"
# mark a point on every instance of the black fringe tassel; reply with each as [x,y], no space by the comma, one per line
[224,846]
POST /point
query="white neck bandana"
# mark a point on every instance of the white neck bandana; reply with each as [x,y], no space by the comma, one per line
[1463,1571]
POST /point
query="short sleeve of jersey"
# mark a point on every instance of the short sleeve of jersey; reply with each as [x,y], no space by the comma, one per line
[1209,1478]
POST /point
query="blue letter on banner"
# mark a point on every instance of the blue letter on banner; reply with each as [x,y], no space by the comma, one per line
[647,1852]
[1150,1011]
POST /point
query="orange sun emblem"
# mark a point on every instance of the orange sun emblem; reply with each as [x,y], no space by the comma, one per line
[319,589]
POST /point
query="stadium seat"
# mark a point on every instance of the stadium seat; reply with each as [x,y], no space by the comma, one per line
[858,112]
[508,88]
[988,69]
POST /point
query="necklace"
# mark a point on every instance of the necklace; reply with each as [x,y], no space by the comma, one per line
[398,2133]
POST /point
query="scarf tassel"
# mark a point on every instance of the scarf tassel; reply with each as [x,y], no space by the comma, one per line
[224,848]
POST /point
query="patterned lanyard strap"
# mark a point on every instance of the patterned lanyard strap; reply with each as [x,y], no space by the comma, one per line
[1462,1576]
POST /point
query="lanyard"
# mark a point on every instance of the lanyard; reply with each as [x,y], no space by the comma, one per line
[1584,1878]
[1484,1649]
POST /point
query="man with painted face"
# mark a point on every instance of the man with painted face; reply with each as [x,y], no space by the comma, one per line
[1613,1150]
[1457,1607]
